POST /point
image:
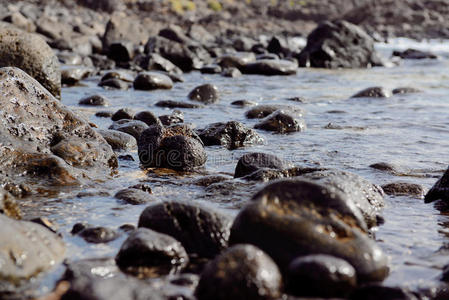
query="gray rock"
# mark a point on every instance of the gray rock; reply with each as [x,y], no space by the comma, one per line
[124,29]
[146,252]
[200,230]
[281,122]
[52,145]
[27,249]
[206,94]
[132,127]
[440,190]
[231,72]
[30,53]
[119,141]
[373,92]
[271,67]
[94,100]
[121,52]
[19,20]
[252,162]
[242,272]
[404,189]
[134,196]
[152,81]
[231,135]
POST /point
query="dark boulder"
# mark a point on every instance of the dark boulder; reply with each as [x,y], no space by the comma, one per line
[200,230]
[119,141]
[148,254]
[102,5]
[206,94]
[94,100]
[373,92]
[242,272]
[134,196]
[440,190]
[123,76]
[320,276]
[252,162]
[211,69]
[338,44]
[132,127]
[231,135]
[281,122]
[152,81]
[271,67]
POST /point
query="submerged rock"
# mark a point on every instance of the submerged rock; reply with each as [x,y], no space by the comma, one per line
[373,92]
[30,53]
[252,162]
[206,94]
[27,249]
[232,135]
[43,142]
[440,190]
[338,44]
[200,230]
[281,122]
[242,272]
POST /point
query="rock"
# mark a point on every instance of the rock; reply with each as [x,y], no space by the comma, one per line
[148,253]
[237,60]
[210,69]
[243,103]
[114,83]
[210,179]
[200,34]
[20,21]
[143,187]
[292,218]
[123,113]
[104,114]
[377,291]
[281,122]
[175,118]
[320,276]
[98,235]
[232,135]
[152,81]
[231,72]
[206,94]
[148,118]
[279,46]
[74,74]
[123,76]
[177,104]
[384,166]
[200,230]
[132,127]
[405,90]
[27,249]
[121,52]
[176,147]
[102,5]
[102,62]
[122,28]
[373,92]
[271,67]
[119,141]
[414,54]
[241,272]
[8,205]
[156,62]
[252,162]
[69,58]
[44,144]
[134,196]
[78,227]
[404,189]
[262,111]
[30,53]
[440,190]
[338,44]
[94,100]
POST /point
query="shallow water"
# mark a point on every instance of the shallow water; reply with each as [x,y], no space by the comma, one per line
[410,131]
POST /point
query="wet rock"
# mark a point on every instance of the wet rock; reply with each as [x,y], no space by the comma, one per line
[102,62]
[132,127]
[338,44]
[176,117]
[30,53]
[281,122]
[134,196]
[252,162]
[121,51]
[73,74]
[206,94]
[155,62]
[414,54]
[292,218]
[104,114]
[320,276]
[151,81]
[143,187]
[119,141]
[377,291]
[78,227]
[243,103]
[94,100]
[128,228]
[114,83]
[148,118]
[8,205]
[262,111]
[27,249]
[123,113]
[271,67]
[367,197]
[384,166]
[148,253]
[123,76]
[232,135]
[200,230]
[98,235]
[405,90]
[404,189]
[440,190]
[210,69]
[373,92]
[44,143]
[177,104]
[210,179]
[177,147]
[231,72]
[237,60]
[241,272]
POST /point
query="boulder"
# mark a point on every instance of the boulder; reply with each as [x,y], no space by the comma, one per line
[281,122]
[206,93]
[134,196]
[123,113]
[252,162]
[262,111]
[440,190]
[176,117]
[98,235]
[404,189]
[8,205]
[152,81]
[119,141]
[30,53]
[237,60]
[148,118]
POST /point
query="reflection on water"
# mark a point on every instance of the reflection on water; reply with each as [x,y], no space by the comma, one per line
[409,131]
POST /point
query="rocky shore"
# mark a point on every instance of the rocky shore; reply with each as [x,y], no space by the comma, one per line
[304,231]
